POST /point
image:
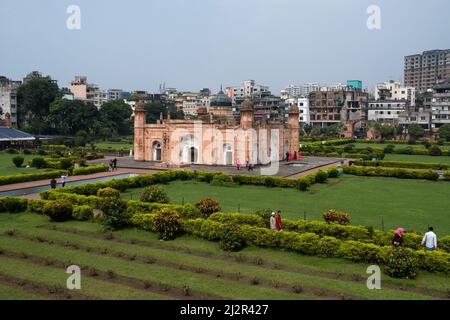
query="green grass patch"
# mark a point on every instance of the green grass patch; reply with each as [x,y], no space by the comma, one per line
[8,168]
[412,204]
[416,158]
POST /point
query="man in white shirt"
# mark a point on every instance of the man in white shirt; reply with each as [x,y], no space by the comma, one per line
[430,240]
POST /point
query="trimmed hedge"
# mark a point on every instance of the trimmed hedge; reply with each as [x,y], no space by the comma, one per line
[392,172]
[90,170]
[312,244]
[403,164]
[4,180]
[13,204]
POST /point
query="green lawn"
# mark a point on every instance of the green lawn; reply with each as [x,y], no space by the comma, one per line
[7,167]
[414,158]
[397,146]
[186,262]
[113,145]
[413,204]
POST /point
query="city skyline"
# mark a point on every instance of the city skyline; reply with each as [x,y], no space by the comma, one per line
[196,44]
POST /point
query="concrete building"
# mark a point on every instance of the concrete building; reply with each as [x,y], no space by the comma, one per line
[303,107]
[386,111]
[247,90]
[423,71]
[8,101]
[440,105]
[212,140]
[332,106]
[82,90]
[392,90]
[295,91]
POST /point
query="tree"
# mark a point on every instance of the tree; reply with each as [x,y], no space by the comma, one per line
[386,131]
[154,110]
[416,131]
[444,132]
[67,117]
[116,116]
[34,99]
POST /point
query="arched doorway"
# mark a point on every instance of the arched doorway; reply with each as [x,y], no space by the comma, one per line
[228,153]
[193,155]
[156,151]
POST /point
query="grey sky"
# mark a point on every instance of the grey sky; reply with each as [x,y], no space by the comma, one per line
[191,44]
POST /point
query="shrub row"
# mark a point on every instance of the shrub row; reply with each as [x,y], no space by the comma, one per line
[163,177]
[312,244]
[392,172]
[323,229]
[4,180]
[90,170]
[403,164]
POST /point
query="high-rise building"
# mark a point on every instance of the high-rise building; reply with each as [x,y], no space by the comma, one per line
[8,101]
[423,71]
[84,91]
[440,105]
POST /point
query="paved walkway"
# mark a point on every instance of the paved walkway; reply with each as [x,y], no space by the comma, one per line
[39,183]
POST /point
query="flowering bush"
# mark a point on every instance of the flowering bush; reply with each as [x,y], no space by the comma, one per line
[155,194]
[208,206]
[400,263]
[108,193]
[336,217]
[167,223]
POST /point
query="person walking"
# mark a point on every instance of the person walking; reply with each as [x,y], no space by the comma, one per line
[53,183]
[397,241]
[273,225]
[238,165]
[111,165]
[63,180]
[278,222]
[430,240]
[287,156]
[114,164]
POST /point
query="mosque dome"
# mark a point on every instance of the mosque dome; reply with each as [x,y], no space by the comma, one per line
[221,100]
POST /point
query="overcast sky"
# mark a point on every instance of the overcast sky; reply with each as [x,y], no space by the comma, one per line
[191,44]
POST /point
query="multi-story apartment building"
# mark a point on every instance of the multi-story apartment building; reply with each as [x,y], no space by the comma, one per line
[8,101]
[423,71]
[440,105]
[395,91]
[84,91]
[331,106]
[385,111]
[295,91]
[303,107]
[247,90]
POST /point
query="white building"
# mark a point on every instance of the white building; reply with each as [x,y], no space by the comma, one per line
[387,111]
[247,90]
[303,106]
[295,91]
[392,90]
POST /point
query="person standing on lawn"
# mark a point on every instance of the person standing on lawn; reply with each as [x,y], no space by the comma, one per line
[398,237]
[63,180]
[278,223]
[430,240]
[273,225]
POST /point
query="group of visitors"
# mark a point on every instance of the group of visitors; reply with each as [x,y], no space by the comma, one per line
[54,183]
[293,156]
[429,239]
[249,166]
[113,164]
[275,221]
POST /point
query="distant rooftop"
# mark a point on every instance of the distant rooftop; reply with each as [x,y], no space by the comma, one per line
[10,134]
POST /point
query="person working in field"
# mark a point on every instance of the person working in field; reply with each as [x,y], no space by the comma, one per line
[278,223]
[430,240]
[398,237]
